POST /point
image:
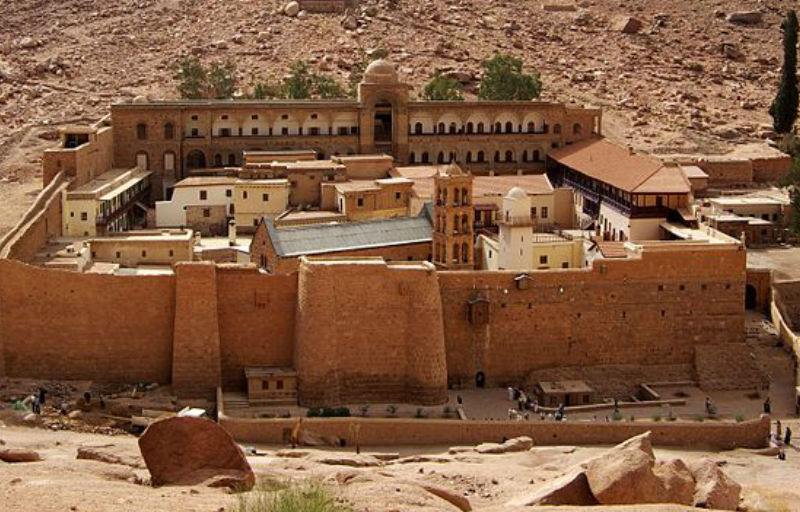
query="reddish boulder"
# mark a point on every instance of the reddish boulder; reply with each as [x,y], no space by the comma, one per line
[713,488]
[189,451]
[677,481]
[624,474]
[570,489]
[19,456]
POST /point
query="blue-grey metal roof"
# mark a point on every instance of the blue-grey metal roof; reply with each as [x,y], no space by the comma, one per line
[324,238]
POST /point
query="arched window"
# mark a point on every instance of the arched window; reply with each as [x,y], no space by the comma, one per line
[576,129]
[141,131]
[440,158]
[557,129]
[464,197]
[498,127]
[536,155]
[418,128]
[441,128]
[469,127]
[465,253]
[424,157]
[481,156]
[455,253]
[456,196]
[480,127]
[496,156]
[453,128]
[217,160]
[509,127]
[531,127]
[411,158]
[509,156]
[469,157]
[232,160]
[169,131]
[195,159]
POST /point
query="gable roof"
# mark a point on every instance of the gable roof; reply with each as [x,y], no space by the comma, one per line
[325,238]
[618,166]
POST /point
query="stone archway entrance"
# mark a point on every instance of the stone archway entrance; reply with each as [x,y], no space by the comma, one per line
[383,127]
[196,159]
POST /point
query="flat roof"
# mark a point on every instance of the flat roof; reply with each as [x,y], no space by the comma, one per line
[482,186]
[110,183]
[325,238]
[746,201]
[269,371]
[206,181]
[165,235]
[621,167]
[565,386]
[693,172]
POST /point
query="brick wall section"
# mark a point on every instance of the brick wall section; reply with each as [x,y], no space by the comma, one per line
[64,325]
[726,172]
[408,432]
[38,224]
[369,333]
[611,314]
[256,321]
[771,170]
[196,343]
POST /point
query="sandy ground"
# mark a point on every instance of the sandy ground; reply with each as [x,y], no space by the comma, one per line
[60,482]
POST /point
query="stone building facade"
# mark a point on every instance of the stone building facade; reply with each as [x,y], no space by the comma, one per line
[172,138]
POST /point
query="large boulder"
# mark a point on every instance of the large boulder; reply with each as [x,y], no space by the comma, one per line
[626,25]
[624,474]
[677,481]
[713,488]
[570,489]
[189,451]
[291,9]
[12,455]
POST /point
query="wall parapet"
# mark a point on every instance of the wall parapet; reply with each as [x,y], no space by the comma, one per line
[412,432]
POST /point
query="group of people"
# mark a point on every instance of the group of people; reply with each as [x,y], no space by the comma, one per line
[781,438]
[525,406]
[36,401]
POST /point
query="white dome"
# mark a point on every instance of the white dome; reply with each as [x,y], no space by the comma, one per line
[380,71]
[516,193]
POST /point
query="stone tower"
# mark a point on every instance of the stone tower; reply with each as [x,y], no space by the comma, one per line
[516,231]
[454,216]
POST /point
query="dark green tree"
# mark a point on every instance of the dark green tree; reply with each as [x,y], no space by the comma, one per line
[503,80]
[327,88]
[192,78]
[784,108]
[442,88]
[298,84]
[264,90]
[222,80]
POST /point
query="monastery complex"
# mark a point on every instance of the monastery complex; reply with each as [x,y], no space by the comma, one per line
[379,250]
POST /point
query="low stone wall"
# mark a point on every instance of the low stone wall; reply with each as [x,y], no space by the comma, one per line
[410,432]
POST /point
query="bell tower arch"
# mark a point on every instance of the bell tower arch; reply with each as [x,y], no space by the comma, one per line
[383,111]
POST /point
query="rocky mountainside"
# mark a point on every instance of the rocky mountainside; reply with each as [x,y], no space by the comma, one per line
[683,76]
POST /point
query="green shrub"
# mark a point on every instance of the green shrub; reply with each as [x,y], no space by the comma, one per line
[442,88]
[328,412]
[699,418]
[656,417]
[617,415]
[739,418]
[303,497]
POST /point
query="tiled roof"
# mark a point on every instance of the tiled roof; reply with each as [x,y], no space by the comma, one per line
[605,161]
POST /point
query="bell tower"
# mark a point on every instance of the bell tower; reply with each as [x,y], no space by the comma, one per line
[454,217]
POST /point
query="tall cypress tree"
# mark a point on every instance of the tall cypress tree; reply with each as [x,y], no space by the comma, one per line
[784,109]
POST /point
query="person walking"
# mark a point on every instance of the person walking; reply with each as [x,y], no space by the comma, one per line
[767,406]
[787,436]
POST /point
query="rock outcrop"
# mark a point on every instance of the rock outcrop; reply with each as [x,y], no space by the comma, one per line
[713,488]
[188,451]
[14,455]
[517,444]
[570,489]
[676,480]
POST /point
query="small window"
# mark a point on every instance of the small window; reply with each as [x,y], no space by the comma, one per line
[169,131]
[203,195]
[397,196]
[682,287]
[342,130]
[264,384]
[206,212]
[195,132]
[284,131]
[141,131]
[544,212]
[565,264]
[228,193]
[661,287]
[144,254]
[533,212]
[225,117]
[279,384]
[254,131]
[118,254]
[71,214]
[360,201]
[285,116]
[194,118]
[543,259]
[293,184]
[171,253]
[255,222]
[84,216]
[244,194]
[313,130]
[225,132]
[265,197]
[254,117]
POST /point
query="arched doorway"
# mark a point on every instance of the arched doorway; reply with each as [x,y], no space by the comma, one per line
[750,297]
[480,380]
[383,126]
[196,159]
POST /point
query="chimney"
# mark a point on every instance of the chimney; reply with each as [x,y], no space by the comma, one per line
[231,232]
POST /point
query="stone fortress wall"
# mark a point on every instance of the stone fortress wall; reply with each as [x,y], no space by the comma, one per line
[358,330]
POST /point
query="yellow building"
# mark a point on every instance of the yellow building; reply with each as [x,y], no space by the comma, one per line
[254,199]
[152,247]
[368,199]
[520,246]
[109,203]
